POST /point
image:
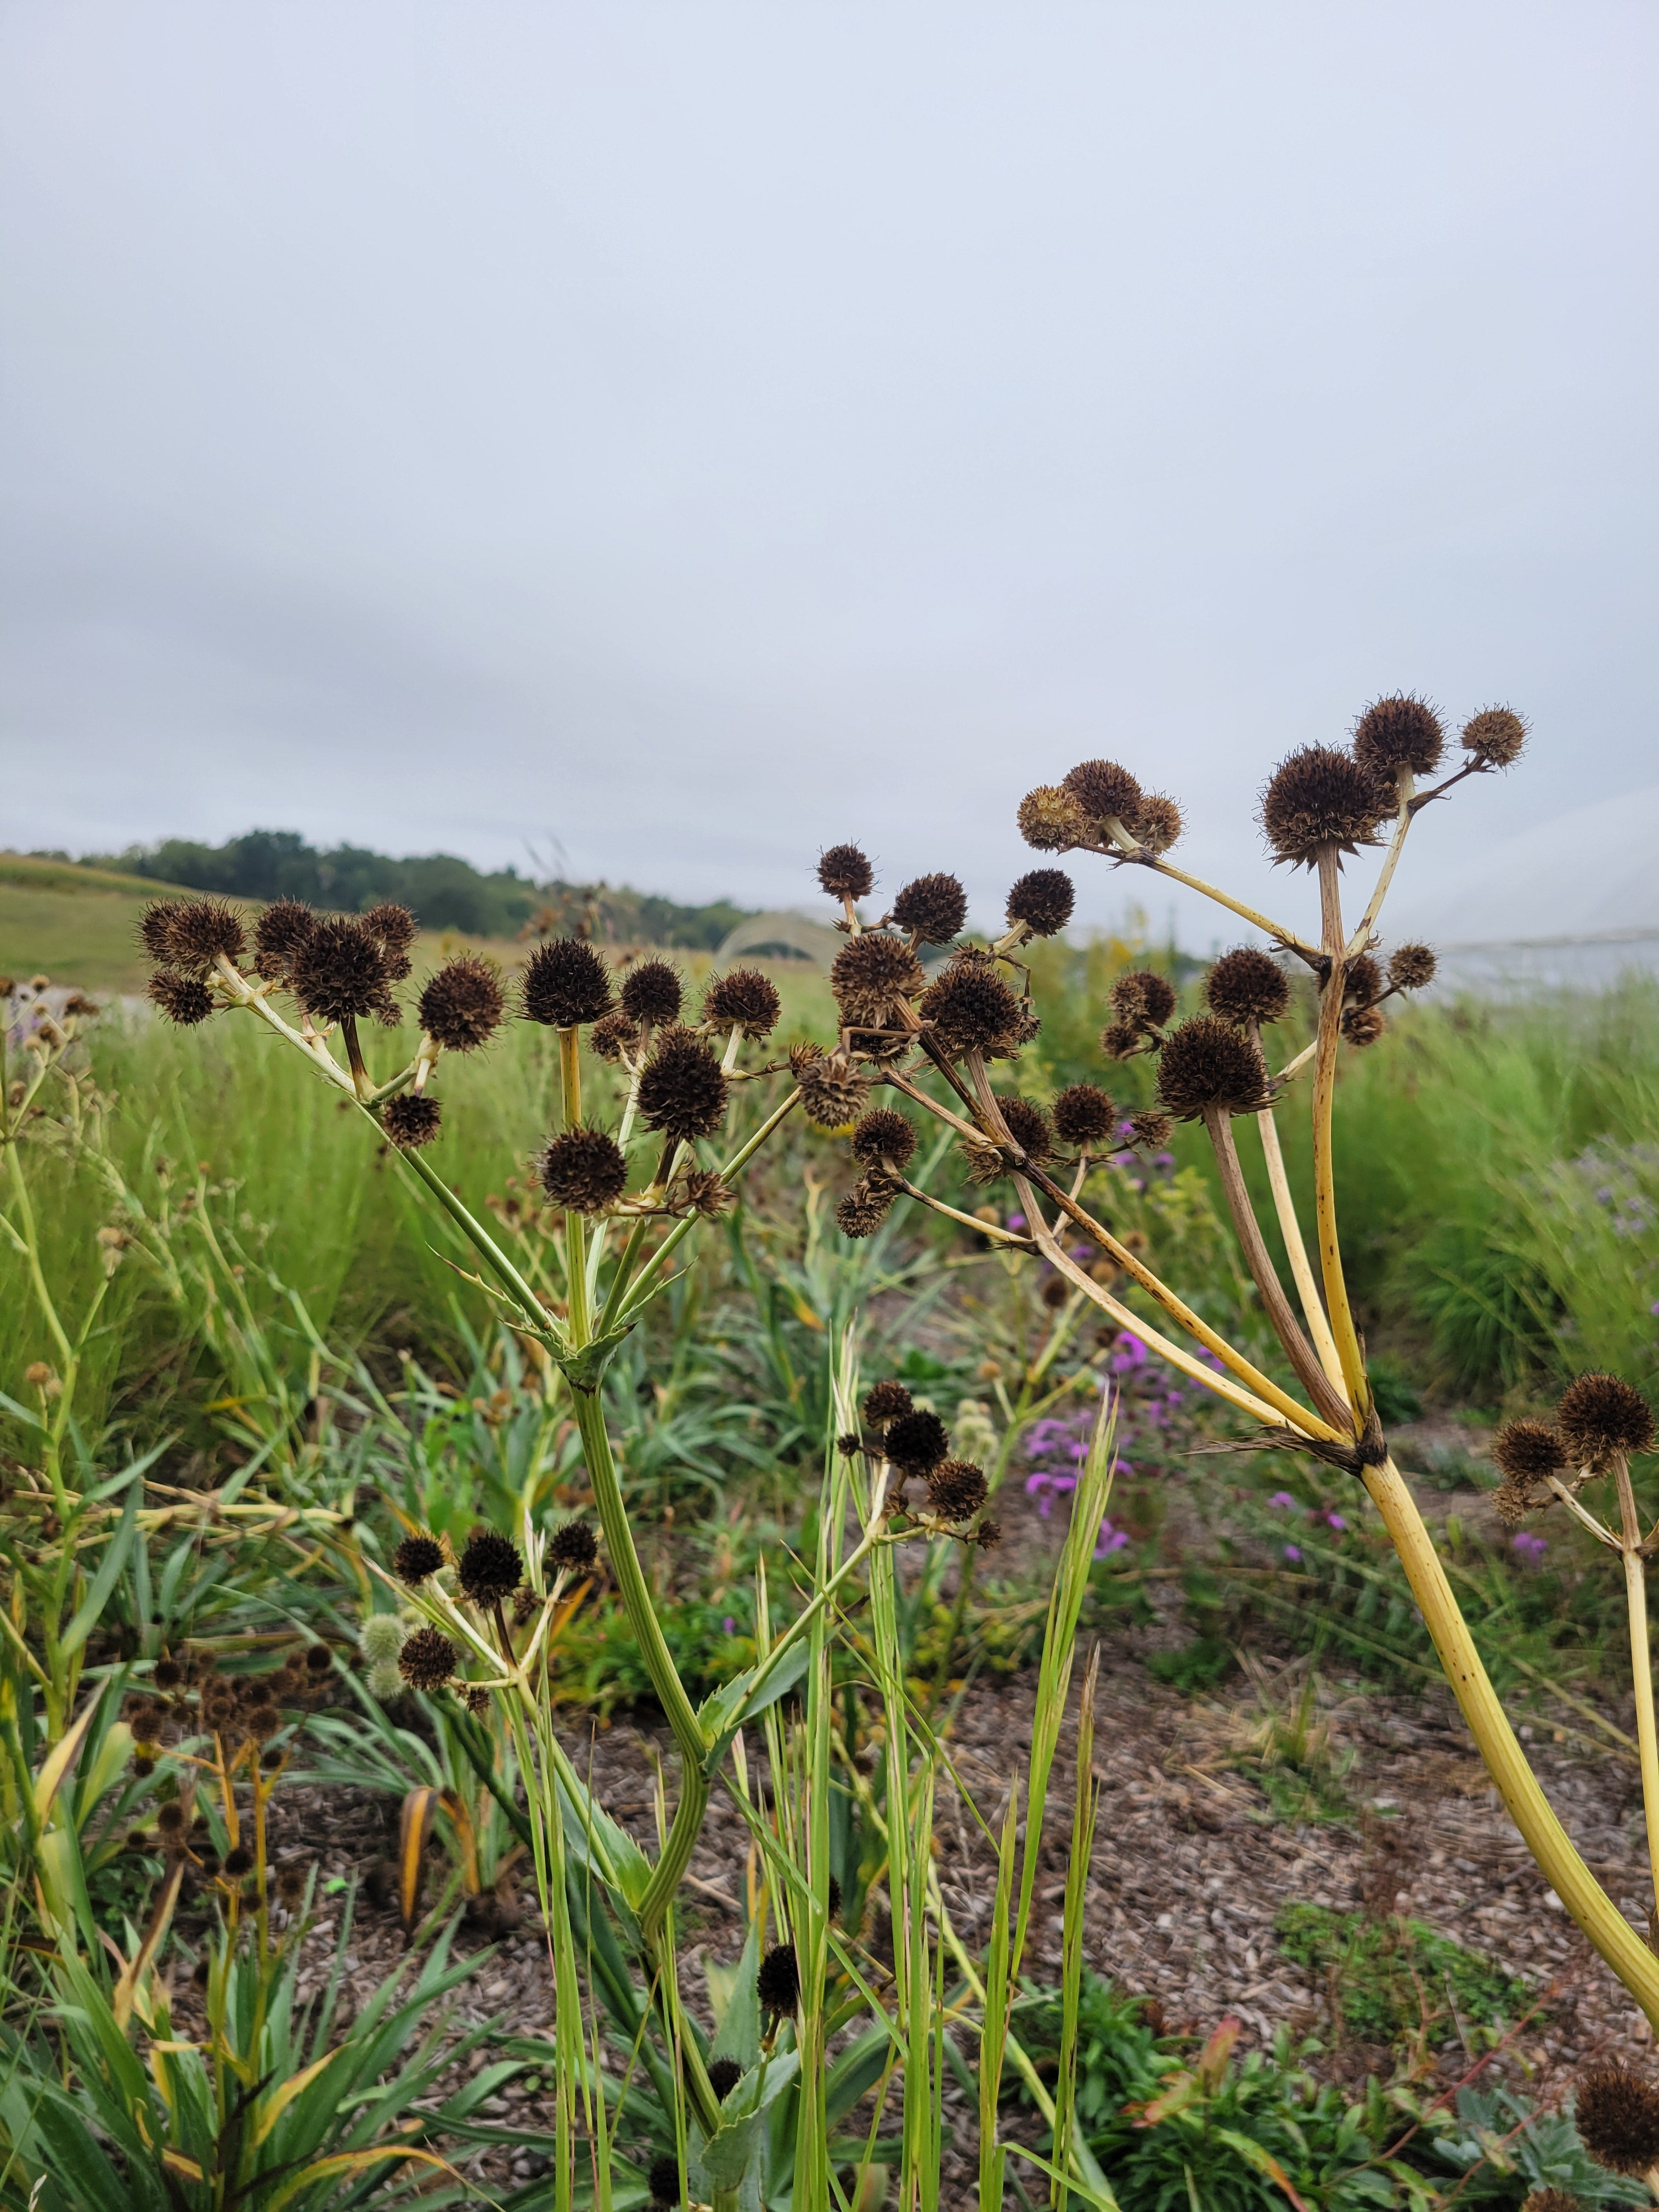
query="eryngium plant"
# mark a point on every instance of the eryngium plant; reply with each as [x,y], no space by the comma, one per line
[935,1044]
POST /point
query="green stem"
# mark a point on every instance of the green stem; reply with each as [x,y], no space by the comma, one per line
[676,1236]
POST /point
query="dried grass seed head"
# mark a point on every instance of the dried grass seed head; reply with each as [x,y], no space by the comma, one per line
[416,1558]
[1247,986]
[1362,980]
[1412,967]
[1028,1124]
[885,1403]
[1399,731]
[864,1208]
[883,1135]
[185,999]
[745,1000]
[778,1983]
[1321,799]
[583,1170]
[1051,821]
[572,1548]
[1617,2116]
[969,1006]
[1601,1419]
[934,906]
[1208,1065]
[1364,1025]
[869,973]
[610,1034]
[339,972]
[1105,792]
[1528,1451]
[1083,1115]
[1495,738]
[427,1660]
[1157,823]
[845,873]
[410,1120]
[957,1489]
[1042,900]
[652,992]
[279,933]
[833,1092]
[462,1005]
[916,1441]
[566,983]
[682,1091]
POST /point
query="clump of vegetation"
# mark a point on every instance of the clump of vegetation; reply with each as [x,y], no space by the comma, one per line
[1388,1980]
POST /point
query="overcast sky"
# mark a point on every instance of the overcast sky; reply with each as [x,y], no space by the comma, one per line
[694,432]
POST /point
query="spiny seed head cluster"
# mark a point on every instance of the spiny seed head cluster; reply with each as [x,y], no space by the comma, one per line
[280,932]
[490,1568]
[339,972]
[1364,1025]
[197,933]
[1319,800]
[652,992]
[1495,738]
[683,1090]
[1052,821]
[1028,1124]
[1362,980]
[1411,968]
[1617,2116]
[410,1120]
[833,1090]
[1401,731]
[971,1007]
[1105,792]
[1246,986]
[885,1403]
[1207,1065]
[845,873]
[1042,900]
[613,1034]
[427,1660]
[1083,1115]
[933,908]
[869,973]
[393,927]
[883,1136]
[185,999]
[583,1170]
[1602,1419]
[461,1007]
[1157,823]
[916,1441]
[572,1548]
[745,1000]
[1149,1131]
[566,983]
[416,1558]
[1527,1453]
[957,1489]
[867,1204]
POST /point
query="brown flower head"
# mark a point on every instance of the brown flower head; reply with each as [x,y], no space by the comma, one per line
[724,2075]
[1157,823]
[1028,1124]
[866,1206]
[885,1403]
[1527,1454]
[280,932]
[969,1006]
[933,906]
[845,873]
[869,973]
[572,1548]
[1362,980]
[663,2180]
[702,1192]
[1401,731]
[1207,1064]
[683,1090]
[185,999]
[239,1861]
[652,992]
[1495,738]
[416,1558]
[745,1000]
[1618,2115]
[410,1120]
[1151,1132]
[566,983]
[1363,1025]
[156,928]
[201,932]
[583,1170]
[393,927]
[1600,1419]
[833,1092]
[957,1489]
[882,1136]
[988,1534]
[490,1567]
[916,1441]
[1050,819]
[1105,792]
[1319,799]
[1146,999]
[1246,986]
[1042,900]
[339,972]
[610,1034]
[1083,1115]
[1411,968]
[462,1004]
[1121,1040]
[427,1660]
[778,1983]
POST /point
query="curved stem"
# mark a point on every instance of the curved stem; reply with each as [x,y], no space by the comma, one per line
[1262,921]
[1297,1251]
[1361,937]
[1641,1662]
[1346,1334]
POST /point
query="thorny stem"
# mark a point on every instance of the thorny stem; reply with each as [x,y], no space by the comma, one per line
[1296,1249]
[1346,1334]
[1641,1660]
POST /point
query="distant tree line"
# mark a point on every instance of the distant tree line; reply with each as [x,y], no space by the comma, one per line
[441,890]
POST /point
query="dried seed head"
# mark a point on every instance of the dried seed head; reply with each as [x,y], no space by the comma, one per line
[185,999]
[339,972]
[566,983]
[583,1170]
[1208,1064]
[1157,823]
[280,932]
[833,1092]
[1401,731]
[934,906]
[461,1007]
[1144,997]
[652,992]
[170,1818]
[572,1548]
[1120,1040]
[982,1162]
[610,1034]
[410,1120]
[169,1674]
[916,1441]
[682,1091]
[392,929]
[156,928]
[970,1006]
[427,1660]
[1496,737]
[201,931]
[1151,1132]
[1512,1501]
[291,1886]
[1362,980]
[1411,967]
[1528,1451]
[1083,1115]
[703,1192]
[1247,986]
[724,2075]
[239,1861]
[883,1135]
[1318,799]
[416,1558]
[1028,1124]
[490,1568]
[664,2180]
[778,1983]
[866,1206]
[1043,900]
[1618,2115]
[885,1403]
[317,1660]
[1600,1419]
[1104,791]
[262,1722]
[745,1000]
[1050,819]
[1363,1025]
[869,973]
[845,873]
[957,1489]
[988,1535]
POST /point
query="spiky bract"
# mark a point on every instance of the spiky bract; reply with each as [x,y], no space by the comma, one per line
[883,1137]
[1495,738]
[652,992]
[155,927]
[1247,986]
[1145,999]
[1601,1419]
[682,1091]
[393,926]
[745,1000]
[933,906]
[1042,899]
[845,873]
[461,1007]
[185,999]
[490,1568]
[1397,732]
[869,973]
[1319,800]
[583,1170]
[416,1558]
[1364,1025]
[566,983]
[1528,1451]
[1207,1065]
[412,1120]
